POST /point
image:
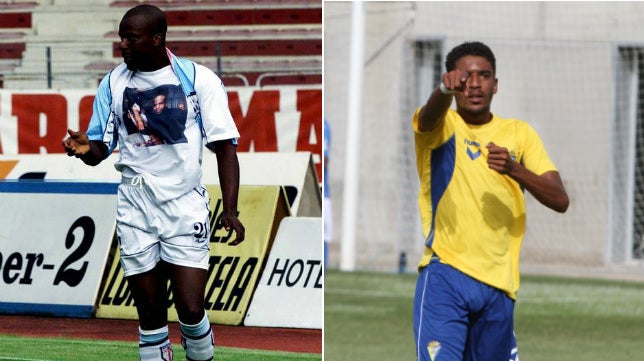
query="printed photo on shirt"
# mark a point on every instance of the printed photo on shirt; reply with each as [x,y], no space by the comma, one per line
[158,114]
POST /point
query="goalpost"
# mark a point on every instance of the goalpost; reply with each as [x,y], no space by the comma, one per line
[351,174]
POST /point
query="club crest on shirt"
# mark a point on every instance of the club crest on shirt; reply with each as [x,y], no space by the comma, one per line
[433,347]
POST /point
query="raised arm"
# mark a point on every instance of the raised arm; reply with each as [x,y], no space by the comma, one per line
[547,188]
[91,152]
[433,112]
[228,168]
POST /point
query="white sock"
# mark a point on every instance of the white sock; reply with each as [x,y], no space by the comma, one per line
[198,340]
[154,345]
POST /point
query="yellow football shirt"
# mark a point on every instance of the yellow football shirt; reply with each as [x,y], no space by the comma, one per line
[473,217]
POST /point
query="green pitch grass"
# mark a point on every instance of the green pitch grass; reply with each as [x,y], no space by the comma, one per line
[368,316]
[13,348]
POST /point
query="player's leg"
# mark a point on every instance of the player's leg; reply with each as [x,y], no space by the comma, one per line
[440,314]
[491,336]
[149,290]
[185,247]
[188,286]
[140,255]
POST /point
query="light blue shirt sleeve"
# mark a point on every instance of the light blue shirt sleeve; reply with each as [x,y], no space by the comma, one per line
[101,125]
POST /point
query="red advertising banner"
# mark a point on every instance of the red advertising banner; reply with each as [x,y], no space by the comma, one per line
[281,119]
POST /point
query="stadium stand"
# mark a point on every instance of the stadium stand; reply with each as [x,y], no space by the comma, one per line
[284,43]
[14,26]
[247,42]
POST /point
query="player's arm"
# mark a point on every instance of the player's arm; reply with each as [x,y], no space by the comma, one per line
[91,152]
[228,168]
[433,112]
[547,188]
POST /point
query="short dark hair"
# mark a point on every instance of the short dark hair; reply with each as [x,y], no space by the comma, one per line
[155,17]
[475,48]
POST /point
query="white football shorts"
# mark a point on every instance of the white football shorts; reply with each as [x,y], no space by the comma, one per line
[176,231]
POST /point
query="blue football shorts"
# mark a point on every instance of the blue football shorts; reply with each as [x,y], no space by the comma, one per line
[457,318]
[176,231]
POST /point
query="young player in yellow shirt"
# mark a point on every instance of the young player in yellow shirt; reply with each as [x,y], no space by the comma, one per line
[473,168]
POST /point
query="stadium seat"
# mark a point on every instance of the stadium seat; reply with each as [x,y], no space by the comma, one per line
[268,79]
[241,48]
[17,4]
[12,50]
[218,3]
[287,79]
[11,36]
[266,64]
[237,64]
[100,66]
[237,17]
[125,3]
[275,41]
[8,65]
[13,20]
[230,33]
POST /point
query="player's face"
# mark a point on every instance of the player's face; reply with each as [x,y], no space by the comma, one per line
[480,87]
[137,42]
[158,104]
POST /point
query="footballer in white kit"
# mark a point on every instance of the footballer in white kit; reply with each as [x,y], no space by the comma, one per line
[162,207]
[161,110]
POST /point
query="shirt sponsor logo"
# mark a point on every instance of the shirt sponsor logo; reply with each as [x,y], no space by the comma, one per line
[473,149]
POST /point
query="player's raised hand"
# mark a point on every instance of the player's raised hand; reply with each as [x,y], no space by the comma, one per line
[76,144]
[455,80]
[499,159]
[229,222]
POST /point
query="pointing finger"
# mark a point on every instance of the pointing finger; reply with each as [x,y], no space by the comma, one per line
[464,76]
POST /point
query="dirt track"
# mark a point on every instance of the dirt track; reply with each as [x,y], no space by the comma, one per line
[276,339]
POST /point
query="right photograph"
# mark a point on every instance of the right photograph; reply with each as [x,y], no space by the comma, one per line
[483,181]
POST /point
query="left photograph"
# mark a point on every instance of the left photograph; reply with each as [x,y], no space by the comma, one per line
[161,175]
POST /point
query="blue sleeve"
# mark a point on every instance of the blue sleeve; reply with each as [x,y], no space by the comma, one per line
[101,125]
